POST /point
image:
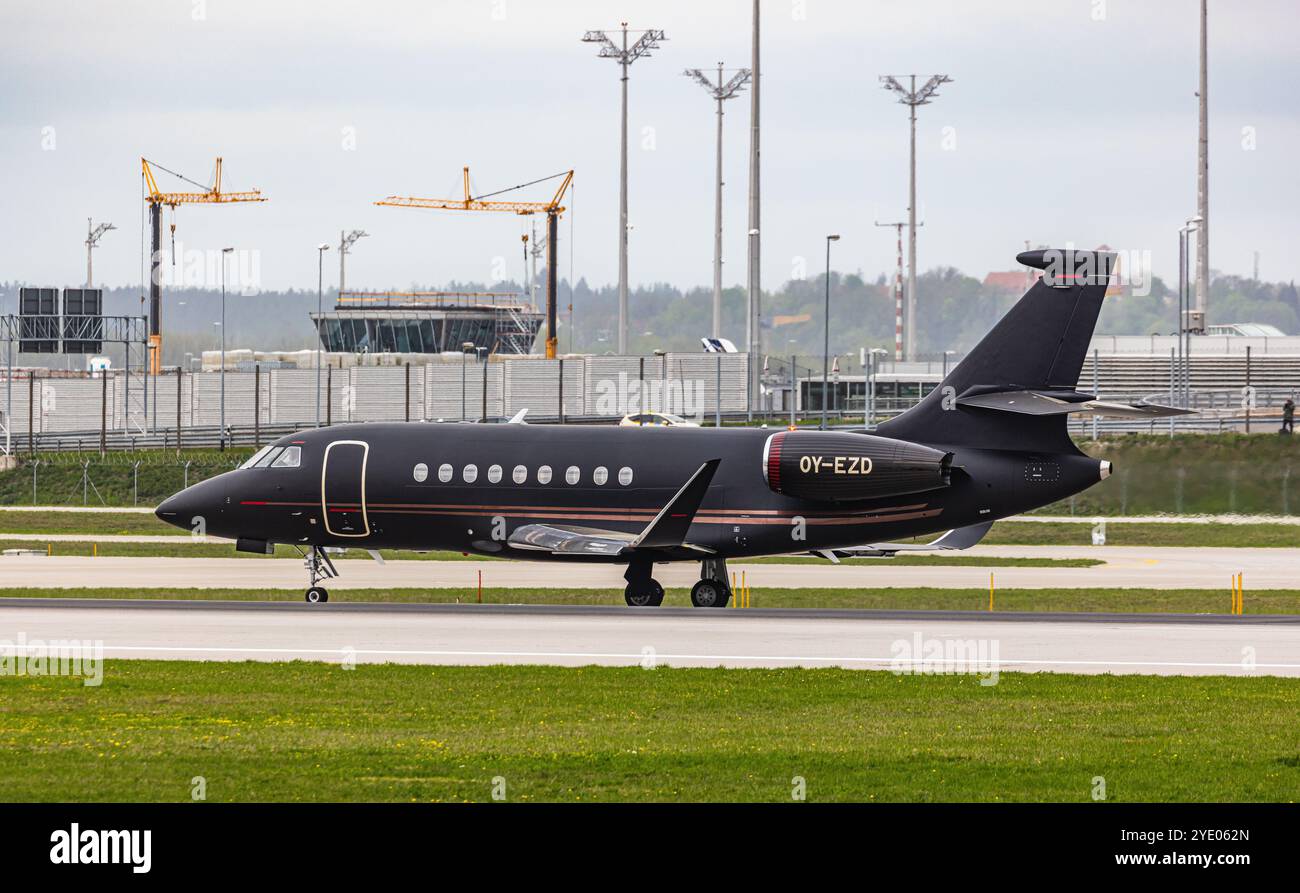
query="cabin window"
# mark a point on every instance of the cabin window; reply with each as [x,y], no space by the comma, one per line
[420,473]
[572,474]
[444,472]
[600,475]
[494,474]
[521,474]
[625,476]
[544,474]
[290,458]
[470,474]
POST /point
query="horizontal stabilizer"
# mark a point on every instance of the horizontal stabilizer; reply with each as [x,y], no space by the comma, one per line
[957,538]
[1049,403]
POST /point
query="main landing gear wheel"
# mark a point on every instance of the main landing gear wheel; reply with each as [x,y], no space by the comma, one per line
[644,594]
[710,594]
[317,595]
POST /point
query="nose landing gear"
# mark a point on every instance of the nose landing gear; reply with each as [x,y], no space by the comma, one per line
[319,567]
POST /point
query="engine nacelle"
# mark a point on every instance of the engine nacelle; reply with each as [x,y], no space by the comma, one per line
[835,466]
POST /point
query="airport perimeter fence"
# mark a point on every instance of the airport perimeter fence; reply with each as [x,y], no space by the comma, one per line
[1256,483]
[115,479]
[62,411]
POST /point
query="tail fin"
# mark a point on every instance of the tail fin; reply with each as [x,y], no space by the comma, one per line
[1039,345]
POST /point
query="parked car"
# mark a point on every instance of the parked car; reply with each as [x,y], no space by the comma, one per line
[665,419]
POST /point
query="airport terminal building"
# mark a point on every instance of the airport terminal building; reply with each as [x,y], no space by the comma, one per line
[427,323]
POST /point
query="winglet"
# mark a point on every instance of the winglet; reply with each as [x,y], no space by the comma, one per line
[669,527]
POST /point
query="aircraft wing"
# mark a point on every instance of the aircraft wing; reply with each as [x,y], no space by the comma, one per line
[666,532]
[1066,403]
[957,538]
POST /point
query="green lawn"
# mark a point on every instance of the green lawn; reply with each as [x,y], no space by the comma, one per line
[317,732]
[1118,533]
[1179,601]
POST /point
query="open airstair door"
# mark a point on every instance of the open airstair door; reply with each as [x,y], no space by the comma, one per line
[666,533]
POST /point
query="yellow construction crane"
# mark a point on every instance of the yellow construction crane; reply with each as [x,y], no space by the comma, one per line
[210,195]
[551,209]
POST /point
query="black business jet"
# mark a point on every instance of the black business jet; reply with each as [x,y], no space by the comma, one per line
[989,442]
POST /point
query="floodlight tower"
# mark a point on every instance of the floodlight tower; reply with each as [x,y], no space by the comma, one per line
[720,91]
[346,241]
[92,241]
[1203,176]
[912,97]
[625,56]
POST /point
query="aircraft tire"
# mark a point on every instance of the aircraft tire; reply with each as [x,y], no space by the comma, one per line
[710,594]
[648,594]
[317,595]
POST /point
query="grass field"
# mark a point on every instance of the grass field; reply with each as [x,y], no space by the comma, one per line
[1180,601]
[1239,536]
[318,732]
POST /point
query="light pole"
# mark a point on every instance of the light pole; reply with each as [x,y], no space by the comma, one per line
[481,359]
[720,92]
[873,357]
[946,354]
[320,323]
[625,55]
[224,252]
[93,234]
[1184,306]
[826,337]
[912,97]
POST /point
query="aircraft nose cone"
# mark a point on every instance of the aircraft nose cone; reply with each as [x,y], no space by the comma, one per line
[181,508]
[169,510]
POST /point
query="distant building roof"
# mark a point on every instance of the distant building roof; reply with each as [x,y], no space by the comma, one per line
[1248,329]
[778,321]
[1011,280]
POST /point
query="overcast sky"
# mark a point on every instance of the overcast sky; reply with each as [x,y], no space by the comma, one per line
[1067,121]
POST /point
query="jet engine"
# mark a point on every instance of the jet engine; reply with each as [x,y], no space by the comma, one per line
[835,466]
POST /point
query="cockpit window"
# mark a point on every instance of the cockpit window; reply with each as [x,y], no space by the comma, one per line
[257,457]
[290,458]
[269,457]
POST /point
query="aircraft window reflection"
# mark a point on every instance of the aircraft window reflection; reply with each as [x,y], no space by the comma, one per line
[544,474]
[494,474]
[290,458]
[269,457]
[470,474]
[520,474]
[572,474]
[256,457]
[600,475]
[420,473]
[625,476]
[444,472]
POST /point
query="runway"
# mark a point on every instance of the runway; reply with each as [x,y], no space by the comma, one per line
[1125,567]
[982,645]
